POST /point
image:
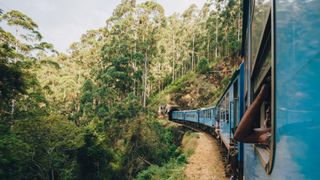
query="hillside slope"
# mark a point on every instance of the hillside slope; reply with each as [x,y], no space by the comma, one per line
[194,89]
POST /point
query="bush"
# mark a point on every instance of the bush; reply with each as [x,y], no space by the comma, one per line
[148,143]
[203,66]
[94,158]
[52,141]
[15,158]
[171,170]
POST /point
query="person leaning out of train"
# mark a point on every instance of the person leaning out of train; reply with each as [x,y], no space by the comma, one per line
[246,132]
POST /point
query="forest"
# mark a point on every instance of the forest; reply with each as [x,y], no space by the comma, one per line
[90,113]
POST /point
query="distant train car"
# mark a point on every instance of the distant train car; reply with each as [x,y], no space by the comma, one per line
[170,109]
[178,115]
[206,116]
[230,107]
[191,116]
[281,43]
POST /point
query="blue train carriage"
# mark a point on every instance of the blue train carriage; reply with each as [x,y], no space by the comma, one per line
[191,116]
[229,111]
[207,116]
[281,43]
[230,108]
[177,115]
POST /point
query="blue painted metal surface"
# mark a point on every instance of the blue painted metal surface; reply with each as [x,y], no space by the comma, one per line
[178,115]
[241,106]
[191,116]
[297,100]
[297,89]
[206,116]
[225,121]
[227,102]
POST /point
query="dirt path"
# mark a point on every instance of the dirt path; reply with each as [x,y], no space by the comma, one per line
[205,163]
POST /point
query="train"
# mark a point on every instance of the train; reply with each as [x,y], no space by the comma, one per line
[281,49]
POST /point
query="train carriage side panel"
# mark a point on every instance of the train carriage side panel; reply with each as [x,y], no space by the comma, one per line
[205,117]
[213,116]
[177,115]
[296,64]
[225,122]
[191,116]
[201,116]
[297,88]
[241,105]
[226,105]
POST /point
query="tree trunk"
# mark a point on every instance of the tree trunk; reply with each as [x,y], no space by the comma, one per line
[52,174]
[174,59]
[13,104]
[145,80]
[208,47]
[239,20]
[192,60]
[227,43]
[135,91]
[217,31]
[159,81]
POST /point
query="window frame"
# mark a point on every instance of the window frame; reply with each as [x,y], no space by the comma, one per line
[268,34]
[265,25]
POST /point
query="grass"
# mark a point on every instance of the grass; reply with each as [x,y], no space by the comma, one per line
[173,169]
[189,143]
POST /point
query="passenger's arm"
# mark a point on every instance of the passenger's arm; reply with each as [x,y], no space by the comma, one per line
[245,131]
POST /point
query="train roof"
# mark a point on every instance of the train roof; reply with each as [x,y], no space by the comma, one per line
[206,108]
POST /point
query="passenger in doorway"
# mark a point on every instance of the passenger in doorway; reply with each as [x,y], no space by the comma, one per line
[246,132]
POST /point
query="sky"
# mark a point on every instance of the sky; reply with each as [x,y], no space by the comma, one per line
[62,22]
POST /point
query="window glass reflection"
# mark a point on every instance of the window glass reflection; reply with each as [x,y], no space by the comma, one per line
[261,13]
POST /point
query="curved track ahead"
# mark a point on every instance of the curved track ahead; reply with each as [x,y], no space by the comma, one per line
[205,163]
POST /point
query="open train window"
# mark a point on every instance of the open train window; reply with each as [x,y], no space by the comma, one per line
[261,10]
[261,75]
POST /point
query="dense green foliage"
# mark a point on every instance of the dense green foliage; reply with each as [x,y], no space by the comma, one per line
[202,66]
[171,170]
[86,114]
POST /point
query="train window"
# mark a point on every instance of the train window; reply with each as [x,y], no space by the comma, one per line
[227,106]
[221,114]
[218,114]
[265,151]
[261,76]
[235,104]
[260,13]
